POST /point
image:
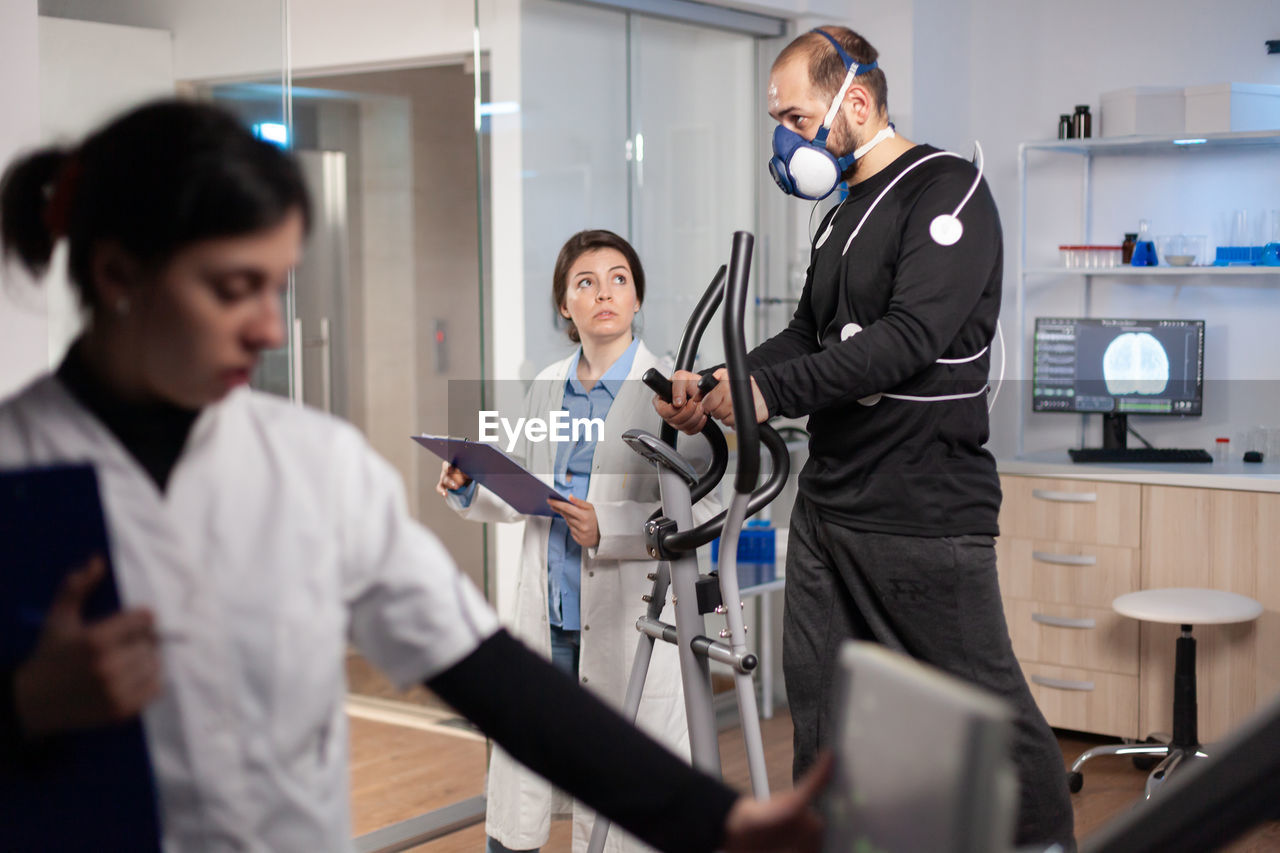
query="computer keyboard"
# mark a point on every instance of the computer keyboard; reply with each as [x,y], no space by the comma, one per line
[1139,454]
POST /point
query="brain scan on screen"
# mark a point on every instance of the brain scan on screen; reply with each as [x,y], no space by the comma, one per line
[1135,363]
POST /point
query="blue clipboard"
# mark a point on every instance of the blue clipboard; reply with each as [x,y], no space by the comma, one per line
[496,471]
[89,790]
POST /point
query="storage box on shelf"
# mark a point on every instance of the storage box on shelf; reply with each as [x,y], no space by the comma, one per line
[1143,110]
[1232,107]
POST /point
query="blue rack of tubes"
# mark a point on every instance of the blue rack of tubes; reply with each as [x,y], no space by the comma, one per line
[757,553]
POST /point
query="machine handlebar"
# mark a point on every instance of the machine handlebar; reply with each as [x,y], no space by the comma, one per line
[735,352]
[750,434]
[661,386]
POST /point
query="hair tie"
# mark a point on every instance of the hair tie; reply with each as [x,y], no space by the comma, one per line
[57,210]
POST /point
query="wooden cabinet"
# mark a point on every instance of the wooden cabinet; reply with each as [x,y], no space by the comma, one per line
[1087,637]
[1067,572]
[1072,511]
[1068,547]
[1085,700]
[1221,540]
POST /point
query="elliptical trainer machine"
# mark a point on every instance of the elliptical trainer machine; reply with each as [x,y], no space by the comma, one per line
[672,539]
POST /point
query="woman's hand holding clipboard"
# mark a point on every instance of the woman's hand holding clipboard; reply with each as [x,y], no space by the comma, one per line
[496,471]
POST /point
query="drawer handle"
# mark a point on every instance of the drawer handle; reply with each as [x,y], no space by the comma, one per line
[1065,497]
[1061,683]
[1062,621]
[1065,559]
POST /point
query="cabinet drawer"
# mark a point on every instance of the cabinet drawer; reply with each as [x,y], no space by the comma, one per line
[1066,572]
[1086,700]
[1079,511]
[1065,635]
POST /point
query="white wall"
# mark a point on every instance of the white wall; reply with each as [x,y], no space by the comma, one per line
[91,71]
[1001,71]
[244,39]
[325,35]
[88,73]
[22,306]
[1177,194]
[226,39]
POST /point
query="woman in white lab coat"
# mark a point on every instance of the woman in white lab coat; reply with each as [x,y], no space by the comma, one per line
[581,575]
[251,538]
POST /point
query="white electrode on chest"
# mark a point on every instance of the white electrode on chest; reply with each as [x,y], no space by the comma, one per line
[946,229]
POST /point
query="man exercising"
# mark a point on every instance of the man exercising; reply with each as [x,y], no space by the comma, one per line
[892,535]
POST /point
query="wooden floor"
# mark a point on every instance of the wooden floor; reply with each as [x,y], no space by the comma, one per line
[399,772]
[1114,785]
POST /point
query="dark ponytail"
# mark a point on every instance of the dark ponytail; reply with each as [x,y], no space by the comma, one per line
[26,191]
[156,179]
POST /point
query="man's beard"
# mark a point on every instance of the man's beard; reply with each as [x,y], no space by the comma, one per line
[842,140]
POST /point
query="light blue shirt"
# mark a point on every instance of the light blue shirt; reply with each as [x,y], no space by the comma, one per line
[573,477]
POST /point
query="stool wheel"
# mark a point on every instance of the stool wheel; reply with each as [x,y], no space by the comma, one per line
[1075,781]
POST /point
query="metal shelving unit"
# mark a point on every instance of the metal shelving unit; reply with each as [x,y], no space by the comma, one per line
[1123,146]
[1151,144]
[1157,272]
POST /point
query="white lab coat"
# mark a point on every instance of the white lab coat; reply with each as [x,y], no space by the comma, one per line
[624,490]
[281,537]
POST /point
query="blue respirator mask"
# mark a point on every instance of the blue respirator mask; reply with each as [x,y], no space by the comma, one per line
[806,168]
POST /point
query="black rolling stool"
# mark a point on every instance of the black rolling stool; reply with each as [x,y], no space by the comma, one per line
[1185,607]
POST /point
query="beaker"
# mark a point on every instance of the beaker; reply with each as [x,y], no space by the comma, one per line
[1271,251]
[1241,235]
[1144,250]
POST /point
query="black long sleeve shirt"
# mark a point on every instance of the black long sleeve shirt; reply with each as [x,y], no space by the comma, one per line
[565,734]
[876,318]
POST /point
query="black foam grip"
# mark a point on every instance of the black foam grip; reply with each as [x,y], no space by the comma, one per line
[657,383]
[661,386]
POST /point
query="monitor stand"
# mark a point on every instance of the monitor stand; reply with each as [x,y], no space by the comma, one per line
[1115,431]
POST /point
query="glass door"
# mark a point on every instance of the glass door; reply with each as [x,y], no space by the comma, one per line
[388,320]
[643,126]
[694,164]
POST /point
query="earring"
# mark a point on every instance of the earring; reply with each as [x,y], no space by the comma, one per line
[122,306]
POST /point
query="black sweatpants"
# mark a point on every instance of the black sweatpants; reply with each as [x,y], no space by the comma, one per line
[935,598]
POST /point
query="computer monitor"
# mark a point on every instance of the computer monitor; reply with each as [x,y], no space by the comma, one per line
[1118,367]
[922,760]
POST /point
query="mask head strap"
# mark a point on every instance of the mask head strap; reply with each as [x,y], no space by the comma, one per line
[854,69]
[886,132]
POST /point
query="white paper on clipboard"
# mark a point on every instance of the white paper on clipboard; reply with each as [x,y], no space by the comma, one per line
[496,471]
